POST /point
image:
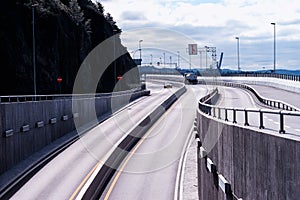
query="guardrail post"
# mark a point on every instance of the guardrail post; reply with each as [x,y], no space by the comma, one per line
[234,116]
[226,115]
[209,110]
[281,124]
[219,113]
[246,118]
[214,112]
[261,119]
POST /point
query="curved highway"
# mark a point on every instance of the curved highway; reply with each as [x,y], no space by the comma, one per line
[63,177]
[239,98]
[289,97]
[150,170]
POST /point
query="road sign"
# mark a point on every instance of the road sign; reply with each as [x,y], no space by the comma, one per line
[193,49]
[59,79]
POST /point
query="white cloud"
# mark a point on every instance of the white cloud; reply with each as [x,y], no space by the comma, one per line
[216,23]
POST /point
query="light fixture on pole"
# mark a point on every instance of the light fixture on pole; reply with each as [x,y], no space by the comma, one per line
[238,52]
[33,5]
[274,24]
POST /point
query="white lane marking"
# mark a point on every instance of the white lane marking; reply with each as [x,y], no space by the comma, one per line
[251,99]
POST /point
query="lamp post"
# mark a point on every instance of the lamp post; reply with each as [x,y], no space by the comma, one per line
[274,24]
[33,5]
[115,67]
[151,56]
[206,50]
[164,59]
[140,48]
[238,52]
[178,59]
[170,61]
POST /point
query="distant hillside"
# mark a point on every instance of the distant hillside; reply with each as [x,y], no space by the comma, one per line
[65,31]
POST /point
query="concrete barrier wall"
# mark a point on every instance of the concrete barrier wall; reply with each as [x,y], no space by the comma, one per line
[27,127]
[257,165]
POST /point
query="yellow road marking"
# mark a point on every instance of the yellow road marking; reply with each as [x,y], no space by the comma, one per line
[73,196]
[83,182]
[133,152]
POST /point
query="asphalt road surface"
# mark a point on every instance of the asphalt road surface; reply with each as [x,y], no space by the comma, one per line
[64,176]
[150,170]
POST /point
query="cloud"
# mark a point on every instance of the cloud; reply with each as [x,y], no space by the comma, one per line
[214,23]
[132,16]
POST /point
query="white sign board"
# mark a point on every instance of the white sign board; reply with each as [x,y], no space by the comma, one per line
[193,49]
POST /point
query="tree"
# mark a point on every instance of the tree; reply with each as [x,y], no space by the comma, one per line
[76,12]
[111,21]
[100,8]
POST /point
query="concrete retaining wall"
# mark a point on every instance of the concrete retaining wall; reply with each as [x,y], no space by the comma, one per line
[27,127]
[257,165]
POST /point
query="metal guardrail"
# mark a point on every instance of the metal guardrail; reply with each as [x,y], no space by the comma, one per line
[268,102]
[28,98]
[215,111]
[269,75]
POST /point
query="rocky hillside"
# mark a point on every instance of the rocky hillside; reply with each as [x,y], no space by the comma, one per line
[65,33]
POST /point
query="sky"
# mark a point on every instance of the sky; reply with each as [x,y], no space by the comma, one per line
[166,27]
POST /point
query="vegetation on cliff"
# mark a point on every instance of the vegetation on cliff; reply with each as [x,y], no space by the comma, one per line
[65,33]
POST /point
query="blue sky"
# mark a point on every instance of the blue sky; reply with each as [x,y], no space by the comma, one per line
[167,27]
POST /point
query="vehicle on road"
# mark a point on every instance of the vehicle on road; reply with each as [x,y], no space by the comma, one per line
[167,85]
[190,78]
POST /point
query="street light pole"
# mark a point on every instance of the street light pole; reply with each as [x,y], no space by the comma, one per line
[33,5]
[151,59]
[140,51]
[178,62]
[274,24]
[115,67]
[170,61]
[238,52]
[206,49]
[164,59]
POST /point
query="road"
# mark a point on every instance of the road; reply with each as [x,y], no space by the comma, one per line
[150,170]
[289,97]
[239,98]
[63,177]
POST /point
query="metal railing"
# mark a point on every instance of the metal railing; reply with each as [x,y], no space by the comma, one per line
[28,98]
[269,102]
[269,75]
[216,112]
